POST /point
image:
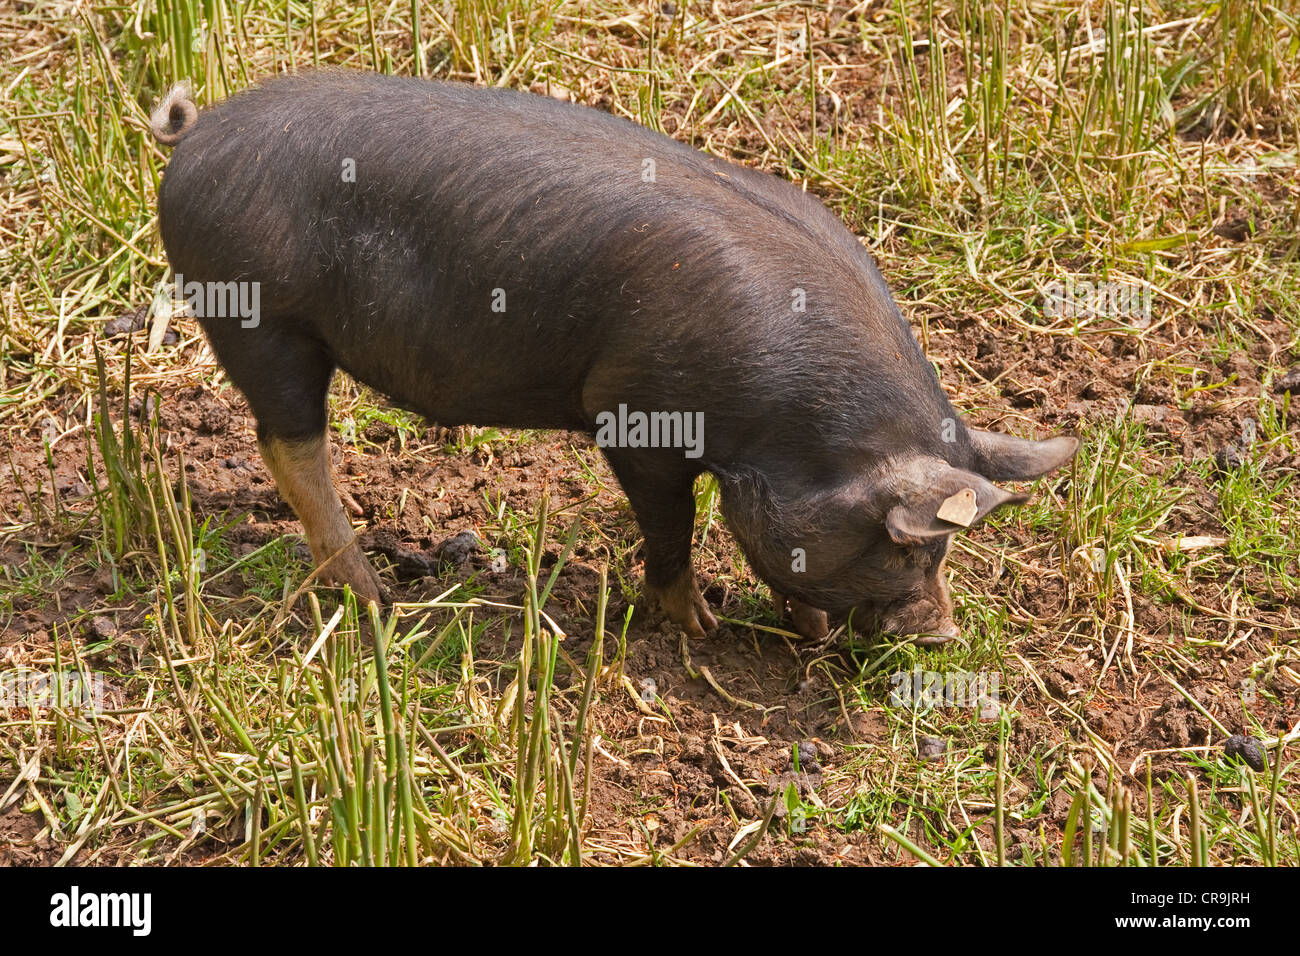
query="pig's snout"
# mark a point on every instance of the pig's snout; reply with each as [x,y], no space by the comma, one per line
[926,617]
[926,626]
[945,632]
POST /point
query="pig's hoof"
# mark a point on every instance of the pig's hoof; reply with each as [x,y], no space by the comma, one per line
[684,604]
[809,622]
[351,567]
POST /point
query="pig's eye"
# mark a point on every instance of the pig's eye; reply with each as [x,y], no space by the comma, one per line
[925,557]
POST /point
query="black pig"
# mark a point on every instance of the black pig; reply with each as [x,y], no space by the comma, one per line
[489,257]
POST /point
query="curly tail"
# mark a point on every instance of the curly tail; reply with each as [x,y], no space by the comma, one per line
[174,116]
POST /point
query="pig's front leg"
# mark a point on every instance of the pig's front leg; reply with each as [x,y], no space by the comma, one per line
[681,600]
[664,504]
[809,622]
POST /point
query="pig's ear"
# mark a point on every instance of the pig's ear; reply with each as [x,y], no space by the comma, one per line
[952,500]
[1008,458]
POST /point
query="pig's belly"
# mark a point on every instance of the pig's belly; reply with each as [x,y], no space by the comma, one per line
[467,383]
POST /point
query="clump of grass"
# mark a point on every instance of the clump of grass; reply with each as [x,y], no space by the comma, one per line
[121,502]
[1255,56]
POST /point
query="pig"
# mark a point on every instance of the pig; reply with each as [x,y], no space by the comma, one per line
[498,258]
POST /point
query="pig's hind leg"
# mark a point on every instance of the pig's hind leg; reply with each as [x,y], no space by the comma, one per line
[302,473]
[285,376]
[664,503]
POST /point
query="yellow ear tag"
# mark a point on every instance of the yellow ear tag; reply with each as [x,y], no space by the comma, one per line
[960,508]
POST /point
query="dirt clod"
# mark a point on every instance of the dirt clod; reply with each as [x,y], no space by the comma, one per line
[126,322]
[692,748]
[102,628]
[459,548]
[931,748]
[129,322]
[1064,678]
[1228,458]
[214,419]
[1245,748]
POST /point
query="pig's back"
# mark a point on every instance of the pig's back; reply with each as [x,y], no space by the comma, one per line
[482,254]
